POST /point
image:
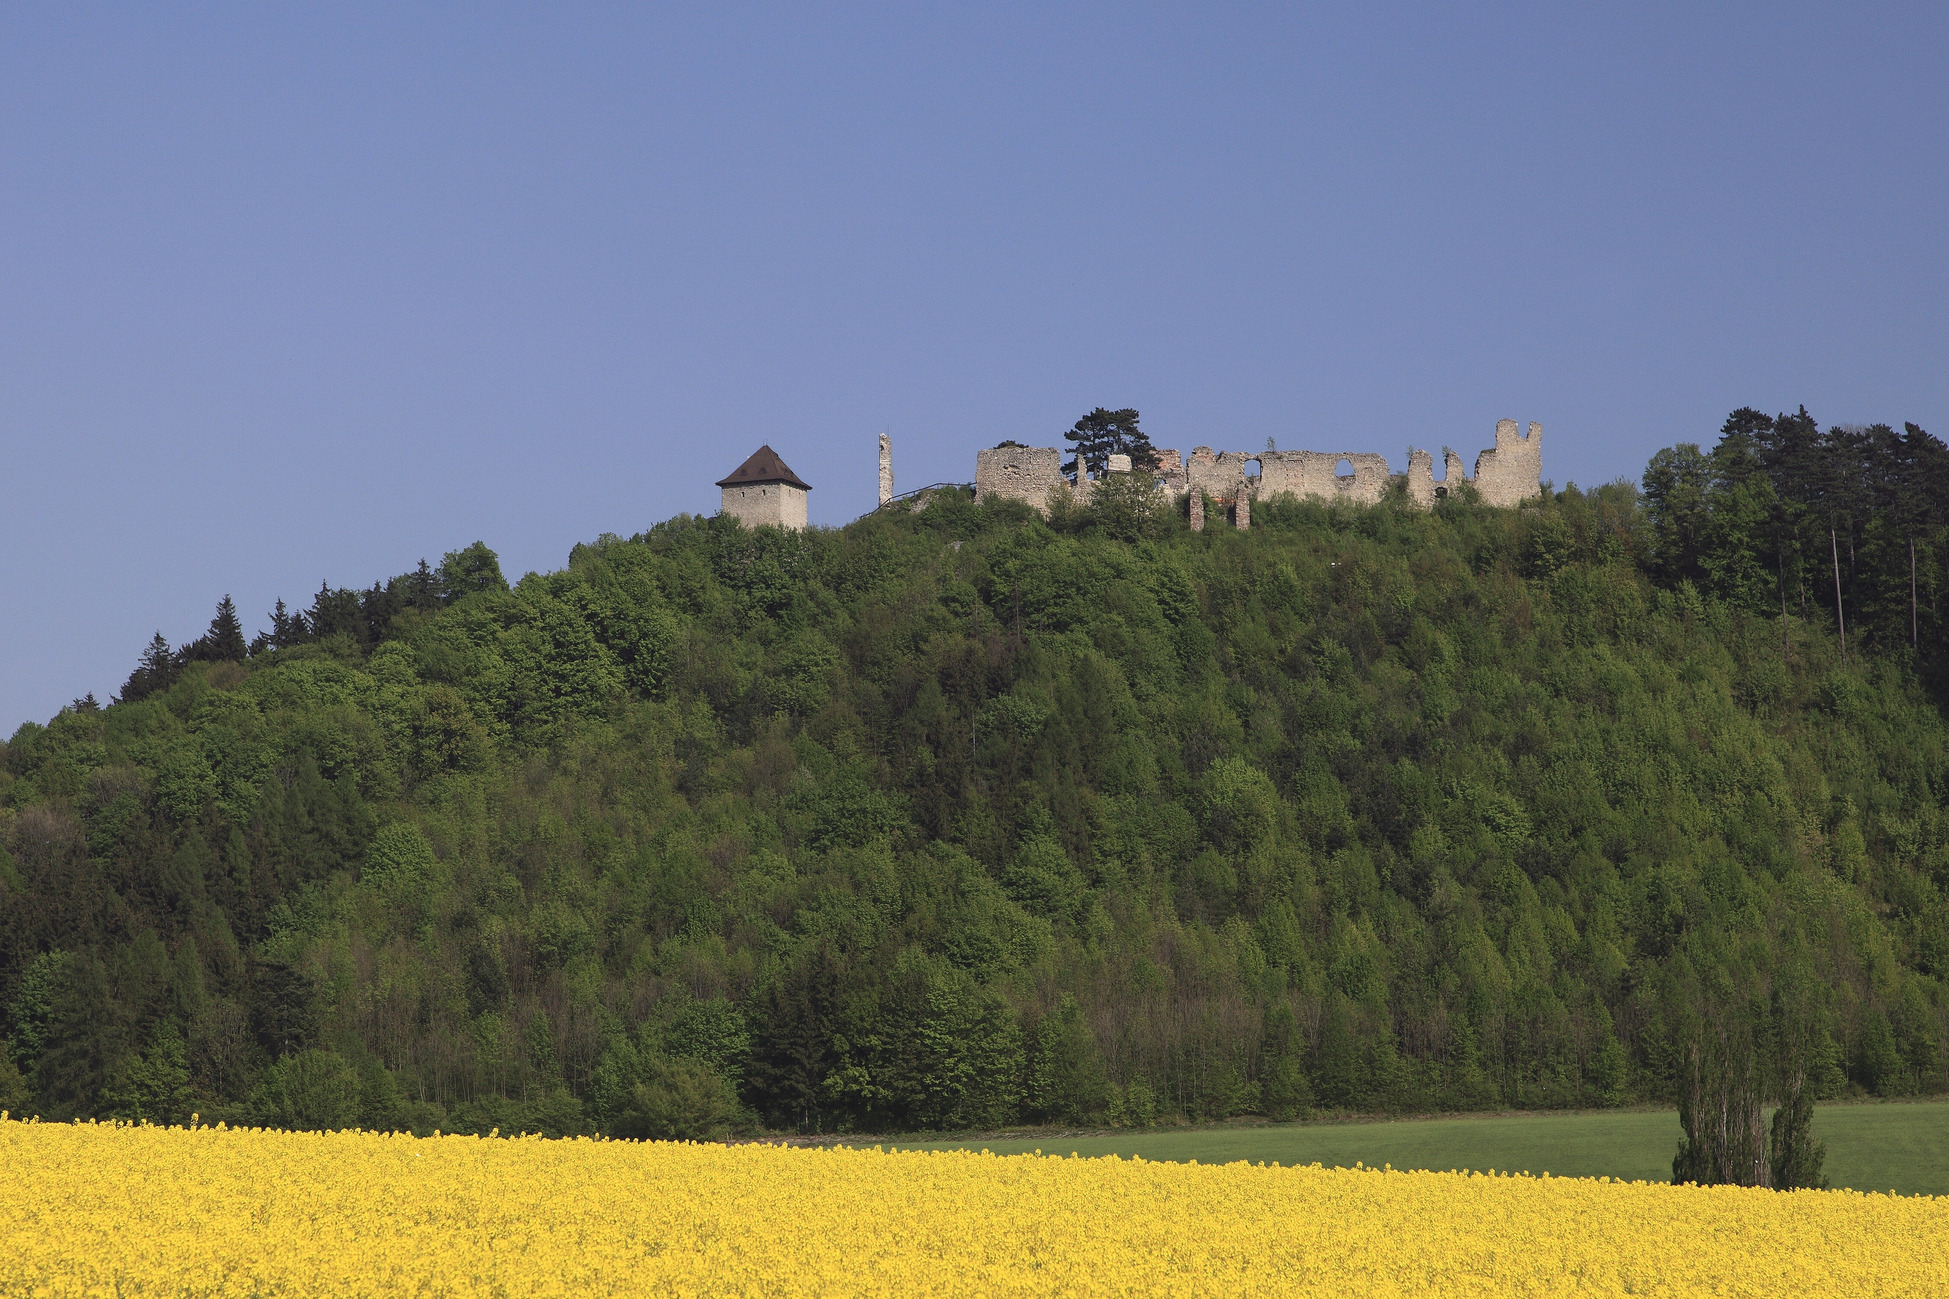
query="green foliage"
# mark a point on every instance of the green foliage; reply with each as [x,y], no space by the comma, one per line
[32,1008]
[313,1090]
[646,1095]
[1795,1155]
[14,1096]
[965,818]
[470,572]
[152,1087]
[1066,1083]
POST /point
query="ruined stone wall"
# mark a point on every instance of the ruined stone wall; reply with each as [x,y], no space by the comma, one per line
[1171,479]
[1508,474]
[1220,474]
[1316,474]
[755,505]
[1513,472]
[1019,474]
[1420,478]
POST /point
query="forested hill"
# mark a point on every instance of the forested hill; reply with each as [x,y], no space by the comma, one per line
[962,818]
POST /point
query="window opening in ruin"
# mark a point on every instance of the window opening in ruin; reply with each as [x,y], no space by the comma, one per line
[1441,466]
[1344,469]
[1252,469]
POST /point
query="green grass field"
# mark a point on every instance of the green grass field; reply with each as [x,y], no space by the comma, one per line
[1880,1147]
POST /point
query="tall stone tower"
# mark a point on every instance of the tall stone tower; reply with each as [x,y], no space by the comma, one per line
[886,468]
[764,491]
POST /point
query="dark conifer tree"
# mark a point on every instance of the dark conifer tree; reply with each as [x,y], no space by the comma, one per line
[225,639]
[156,671]
[423,588]
[1104,433]
[87,1033]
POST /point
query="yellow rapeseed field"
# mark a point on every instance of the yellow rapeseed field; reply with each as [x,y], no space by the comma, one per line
[102,1210]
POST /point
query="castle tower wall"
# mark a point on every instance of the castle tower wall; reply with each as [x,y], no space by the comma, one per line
[757,505]
[886,468]
[1018,473]
[764,492]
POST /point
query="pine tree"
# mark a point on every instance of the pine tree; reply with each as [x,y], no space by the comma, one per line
[1104,433]
[423,588]
[224,642]
[87,1032]
[155,671]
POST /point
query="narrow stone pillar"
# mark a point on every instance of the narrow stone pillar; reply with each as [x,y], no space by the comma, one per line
[886,468]
[1197,509]
[1242,509]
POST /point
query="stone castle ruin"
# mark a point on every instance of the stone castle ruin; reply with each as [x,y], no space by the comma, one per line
[1507,474]
[764,491]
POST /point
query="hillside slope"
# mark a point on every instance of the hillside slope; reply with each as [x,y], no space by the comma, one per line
[962,818]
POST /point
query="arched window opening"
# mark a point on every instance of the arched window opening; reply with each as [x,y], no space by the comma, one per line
[1344,469]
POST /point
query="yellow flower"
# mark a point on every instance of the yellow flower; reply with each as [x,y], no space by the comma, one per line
[99,1209]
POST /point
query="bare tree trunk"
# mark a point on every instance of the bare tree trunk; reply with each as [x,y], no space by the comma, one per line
[1914,635]
[1839,619]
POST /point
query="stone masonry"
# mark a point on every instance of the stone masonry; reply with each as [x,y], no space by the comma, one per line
[1507,474]
[763,491]
[1015,472]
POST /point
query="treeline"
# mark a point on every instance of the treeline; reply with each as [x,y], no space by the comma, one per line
[964,818]
[1850,522]
[360,618]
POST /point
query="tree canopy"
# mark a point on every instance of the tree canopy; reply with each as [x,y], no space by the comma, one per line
[964,817]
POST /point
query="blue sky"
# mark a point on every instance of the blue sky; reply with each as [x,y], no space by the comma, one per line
[301,293]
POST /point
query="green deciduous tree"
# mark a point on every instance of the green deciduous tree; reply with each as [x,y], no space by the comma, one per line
[312,1090]
[154,1086]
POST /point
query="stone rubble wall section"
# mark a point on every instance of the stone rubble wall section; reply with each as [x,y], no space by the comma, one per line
[1316,473]
[886,468]
[1220,474]
[1513,472]
[1508,474]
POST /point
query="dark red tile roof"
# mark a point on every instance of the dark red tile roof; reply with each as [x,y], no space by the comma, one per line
[763,467]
